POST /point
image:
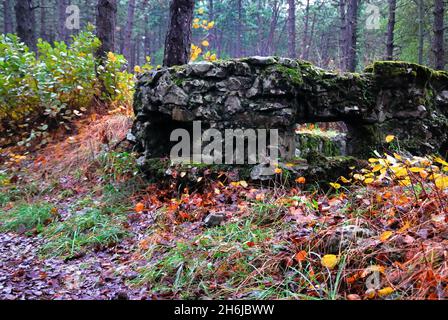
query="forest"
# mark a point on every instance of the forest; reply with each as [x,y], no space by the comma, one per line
[223,150]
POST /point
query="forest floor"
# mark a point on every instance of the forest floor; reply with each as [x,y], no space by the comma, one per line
[77,221]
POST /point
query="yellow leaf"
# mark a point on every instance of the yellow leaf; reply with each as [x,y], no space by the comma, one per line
[385,291]
[416,169]
[386,235]
[278,171]
[345,180]
[205,43]
[441,182]
[244,184]
[390,138]
[335,185]
[201,10]
[373,160]
[329,261]
[376,168]
[441,161]
[369,180]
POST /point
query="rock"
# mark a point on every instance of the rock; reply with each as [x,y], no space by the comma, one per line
[199,68]
[404,99]
[214,220]
[345,236]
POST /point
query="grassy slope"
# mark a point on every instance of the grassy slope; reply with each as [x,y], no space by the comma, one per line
[270,246]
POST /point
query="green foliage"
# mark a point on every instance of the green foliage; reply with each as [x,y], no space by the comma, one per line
[231,258]
[118,166]
[118,84]
[26,217]
[43,93]
[92,228]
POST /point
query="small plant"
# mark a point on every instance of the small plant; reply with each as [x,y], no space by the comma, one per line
[234,259]
[27,217]
[90,229]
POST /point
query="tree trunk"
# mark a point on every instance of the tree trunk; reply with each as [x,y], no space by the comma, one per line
[343,35]
[178,38]
[239,29]
[391,30]
[26,23]
[43,21]
[7,16]
[62,30]
[305,31]
[273,27]
[352,15]
[421,30]
[106,21]
[127,41]
[439,52]
[292,28]
[147,42]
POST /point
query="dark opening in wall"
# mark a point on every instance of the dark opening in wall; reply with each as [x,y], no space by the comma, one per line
[326,138]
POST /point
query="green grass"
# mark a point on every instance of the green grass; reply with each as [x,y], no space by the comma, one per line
[91,229]
[26,217]
[239,259]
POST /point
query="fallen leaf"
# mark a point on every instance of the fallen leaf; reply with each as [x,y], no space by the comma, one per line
[329,261]
[385,291]
[301,256]
[139,207]
[386,235]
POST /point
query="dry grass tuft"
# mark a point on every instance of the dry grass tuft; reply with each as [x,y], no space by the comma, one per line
[94,135]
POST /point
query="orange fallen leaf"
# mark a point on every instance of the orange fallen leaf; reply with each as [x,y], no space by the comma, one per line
[139,207]
[301,180]
[301,256]
[386,235]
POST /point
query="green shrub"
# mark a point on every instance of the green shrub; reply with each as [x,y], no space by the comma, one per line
[41,93]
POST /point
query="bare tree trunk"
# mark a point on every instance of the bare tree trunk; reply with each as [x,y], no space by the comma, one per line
[421,30]
[343,35]
[178,38]
[43,20]
[127,48]
[213,36]
[106,21]
[273,26]
[261,47]
[62,30]
[292,28]
[147,41]
[438,49]
[26,23]
[305,31]
[391,30]
[7,13]
[239,29]
[352,15]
